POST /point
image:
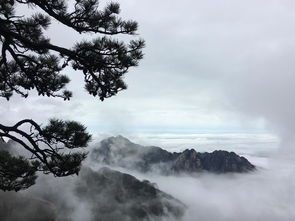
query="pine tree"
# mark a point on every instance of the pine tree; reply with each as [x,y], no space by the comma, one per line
[29,61]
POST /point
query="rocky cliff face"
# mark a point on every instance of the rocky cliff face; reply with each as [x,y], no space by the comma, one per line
[119,151]
[118,196]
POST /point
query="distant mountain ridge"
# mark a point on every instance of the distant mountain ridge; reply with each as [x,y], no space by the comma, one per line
[119,151]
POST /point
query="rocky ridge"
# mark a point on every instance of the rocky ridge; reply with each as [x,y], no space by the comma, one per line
[118,196]
[119,151]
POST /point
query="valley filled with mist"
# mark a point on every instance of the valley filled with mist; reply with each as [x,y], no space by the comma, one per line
[113,186]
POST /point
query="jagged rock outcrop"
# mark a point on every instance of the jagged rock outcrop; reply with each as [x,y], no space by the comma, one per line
[118,196]
[119,151]
[218,161]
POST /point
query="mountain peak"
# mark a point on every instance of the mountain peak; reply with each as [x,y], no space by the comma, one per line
[118,138]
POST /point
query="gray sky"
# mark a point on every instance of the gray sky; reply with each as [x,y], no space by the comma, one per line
[210,67]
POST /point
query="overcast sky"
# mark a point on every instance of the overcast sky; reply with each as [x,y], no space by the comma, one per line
[210,66]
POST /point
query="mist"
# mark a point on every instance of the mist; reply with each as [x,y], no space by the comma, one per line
[260,196]
[265,194]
